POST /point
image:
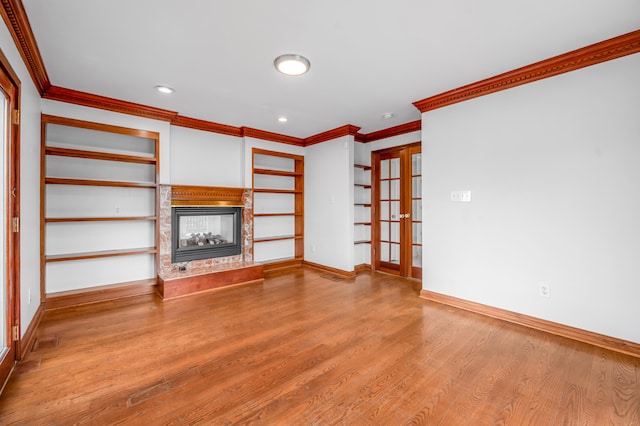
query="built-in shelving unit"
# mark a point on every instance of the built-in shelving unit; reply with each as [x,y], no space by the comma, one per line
[362,214]
[278,207]
[99,221]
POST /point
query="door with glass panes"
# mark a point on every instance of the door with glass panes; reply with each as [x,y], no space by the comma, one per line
[397,210]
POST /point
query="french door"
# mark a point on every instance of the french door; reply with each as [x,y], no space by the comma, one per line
[397,210]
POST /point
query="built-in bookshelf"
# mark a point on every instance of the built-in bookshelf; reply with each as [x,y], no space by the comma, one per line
[362,214]
[278,207]
[99,223]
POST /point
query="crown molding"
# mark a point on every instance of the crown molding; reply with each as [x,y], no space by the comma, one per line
[207,126]
[15,18]
[270,136]
[401,129]
[338,132]
[607,50]
[62,94]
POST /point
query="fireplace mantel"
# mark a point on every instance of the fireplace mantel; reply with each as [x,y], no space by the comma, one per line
[182,195]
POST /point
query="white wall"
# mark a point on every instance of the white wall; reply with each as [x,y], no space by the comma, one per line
[553,167]
[328,203]
[29,183]
[205,158]
[404,139]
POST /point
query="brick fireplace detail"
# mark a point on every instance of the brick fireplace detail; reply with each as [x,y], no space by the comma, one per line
[206,274]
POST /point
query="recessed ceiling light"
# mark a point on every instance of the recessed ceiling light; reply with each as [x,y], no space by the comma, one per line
[291,64]
[282,119]
[164,89]
[387,115]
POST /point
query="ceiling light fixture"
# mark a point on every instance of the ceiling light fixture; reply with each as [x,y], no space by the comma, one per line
[164,89]
[291,64]
[282,119]
[387,115]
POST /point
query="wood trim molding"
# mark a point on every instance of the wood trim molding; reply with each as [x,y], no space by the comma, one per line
[600,340]
[340,272]
[104,293]
[270,136]
[401,129]
[30,334]
[71,96]
[15,17]
[338,132]
[207,126]
[183,195]
[607,50]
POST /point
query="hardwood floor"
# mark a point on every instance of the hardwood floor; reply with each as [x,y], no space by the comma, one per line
[309,348]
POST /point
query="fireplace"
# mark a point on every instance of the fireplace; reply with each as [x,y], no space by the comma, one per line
[205,232]
[177,278]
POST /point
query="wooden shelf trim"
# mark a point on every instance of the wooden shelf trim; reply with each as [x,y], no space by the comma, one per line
[271,172]
[90,182]
[362,166]
[97,219]
[363,223]
[362,242]
[363,185]
[362,204]
[277,238]
[97,155]
[99,254]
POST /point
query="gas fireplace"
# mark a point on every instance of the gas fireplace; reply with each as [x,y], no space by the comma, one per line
[205,232]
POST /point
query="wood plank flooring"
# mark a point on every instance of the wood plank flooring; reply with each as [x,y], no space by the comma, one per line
[304,349]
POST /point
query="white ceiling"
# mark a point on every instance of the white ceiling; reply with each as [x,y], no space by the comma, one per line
[367,57]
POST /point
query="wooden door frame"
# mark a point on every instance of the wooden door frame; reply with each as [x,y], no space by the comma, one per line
[405,269]
[10,85]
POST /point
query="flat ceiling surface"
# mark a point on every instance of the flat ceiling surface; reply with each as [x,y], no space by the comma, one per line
[368,57]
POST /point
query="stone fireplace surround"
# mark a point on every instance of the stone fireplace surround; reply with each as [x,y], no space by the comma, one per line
[206,274]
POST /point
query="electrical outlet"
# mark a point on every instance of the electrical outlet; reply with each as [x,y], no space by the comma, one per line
[544,290]
[117,209]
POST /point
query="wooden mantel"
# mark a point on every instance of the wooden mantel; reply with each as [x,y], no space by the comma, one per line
[206,196]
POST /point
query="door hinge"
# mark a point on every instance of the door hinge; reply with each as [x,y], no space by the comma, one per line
[14,332]
[15,224]
[15,116]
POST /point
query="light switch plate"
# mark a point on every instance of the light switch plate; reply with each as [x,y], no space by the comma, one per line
[461,196]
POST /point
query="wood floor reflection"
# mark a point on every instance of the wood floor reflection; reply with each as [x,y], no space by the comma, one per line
[304,349]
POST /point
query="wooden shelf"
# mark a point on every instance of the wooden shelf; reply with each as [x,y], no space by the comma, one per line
[362,166]
[362,242]
[97,155]
[277,238]
[363,223]
[90,182]
[275,172]
[362,204]
[98,254]
[366,186]
[96,219]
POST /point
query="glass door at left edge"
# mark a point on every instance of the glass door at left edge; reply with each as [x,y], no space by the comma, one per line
[9,330]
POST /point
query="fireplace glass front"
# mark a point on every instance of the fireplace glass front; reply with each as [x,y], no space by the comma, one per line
[205,232]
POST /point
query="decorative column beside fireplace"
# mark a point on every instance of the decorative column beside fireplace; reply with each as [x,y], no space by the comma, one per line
[177,276]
